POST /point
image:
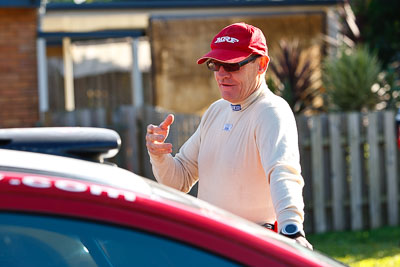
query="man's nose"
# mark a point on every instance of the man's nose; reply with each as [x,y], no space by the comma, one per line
[222,72]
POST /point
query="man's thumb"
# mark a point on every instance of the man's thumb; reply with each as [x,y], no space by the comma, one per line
[167,122]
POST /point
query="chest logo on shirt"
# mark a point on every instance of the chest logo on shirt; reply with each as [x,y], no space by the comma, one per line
[227,127]
[236,107]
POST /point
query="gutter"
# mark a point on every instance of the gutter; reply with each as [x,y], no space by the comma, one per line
[173,4]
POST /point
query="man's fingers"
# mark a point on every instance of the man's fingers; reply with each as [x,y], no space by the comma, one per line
[304,242]
[159,149]
[155,130]
[167,122]
[151,128]
[155,137]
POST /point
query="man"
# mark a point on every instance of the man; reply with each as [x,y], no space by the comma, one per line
[245,151]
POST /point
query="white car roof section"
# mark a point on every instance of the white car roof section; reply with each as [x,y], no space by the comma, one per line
[70,167]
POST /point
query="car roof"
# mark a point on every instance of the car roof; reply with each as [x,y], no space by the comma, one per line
[110,175]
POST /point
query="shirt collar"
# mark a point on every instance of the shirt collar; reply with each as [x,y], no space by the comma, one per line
[248,101]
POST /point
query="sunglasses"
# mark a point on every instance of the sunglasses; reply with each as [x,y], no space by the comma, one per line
[229,67]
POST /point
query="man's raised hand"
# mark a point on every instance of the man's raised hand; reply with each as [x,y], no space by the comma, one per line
[156,136]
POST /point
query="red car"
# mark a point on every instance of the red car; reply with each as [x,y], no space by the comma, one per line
[68,209]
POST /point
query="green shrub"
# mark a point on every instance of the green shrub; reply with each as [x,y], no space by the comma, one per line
[348,79]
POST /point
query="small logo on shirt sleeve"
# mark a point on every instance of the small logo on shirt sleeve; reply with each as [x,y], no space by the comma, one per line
[227,127]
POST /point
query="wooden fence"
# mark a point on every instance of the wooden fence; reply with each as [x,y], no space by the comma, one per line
[349,160]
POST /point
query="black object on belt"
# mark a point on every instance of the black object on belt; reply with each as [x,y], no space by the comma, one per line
[269,226]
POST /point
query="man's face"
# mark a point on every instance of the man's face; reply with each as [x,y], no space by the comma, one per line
[236,86]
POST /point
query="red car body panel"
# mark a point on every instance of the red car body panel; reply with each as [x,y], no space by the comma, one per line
[21,192]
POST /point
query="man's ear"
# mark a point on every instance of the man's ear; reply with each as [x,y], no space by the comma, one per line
[263,66]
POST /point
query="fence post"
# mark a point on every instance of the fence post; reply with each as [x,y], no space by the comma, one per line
[150,116]
[100,117]
[337,173]
[375,213]
[318,175]
[84,117]
[391,168]
[355,171]
[128,119]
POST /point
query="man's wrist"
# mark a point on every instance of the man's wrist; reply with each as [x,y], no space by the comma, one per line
[156,157]
[292,231]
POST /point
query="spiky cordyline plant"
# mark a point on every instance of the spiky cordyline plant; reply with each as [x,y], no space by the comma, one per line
[298,79]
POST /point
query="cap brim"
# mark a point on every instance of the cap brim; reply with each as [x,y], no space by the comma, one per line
[226,56]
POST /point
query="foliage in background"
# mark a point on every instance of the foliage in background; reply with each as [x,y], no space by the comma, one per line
[349,32]
[378,247]
[349,78]
[296,79]
[375,24]
[379,24]
[389,87]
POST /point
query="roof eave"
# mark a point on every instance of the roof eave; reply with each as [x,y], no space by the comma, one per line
[189,4]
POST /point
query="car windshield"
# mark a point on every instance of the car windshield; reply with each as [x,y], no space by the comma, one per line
[28,240]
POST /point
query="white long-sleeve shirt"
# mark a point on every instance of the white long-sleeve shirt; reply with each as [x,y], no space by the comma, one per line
[246,161]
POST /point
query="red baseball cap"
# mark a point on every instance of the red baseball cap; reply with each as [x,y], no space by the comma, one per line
[235,43]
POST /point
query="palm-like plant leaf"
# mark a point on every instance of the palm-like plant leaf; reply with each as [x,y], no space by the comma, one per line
[296,78]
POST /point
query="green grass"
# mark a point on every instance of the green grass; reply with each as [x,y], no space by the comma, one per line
[378,247]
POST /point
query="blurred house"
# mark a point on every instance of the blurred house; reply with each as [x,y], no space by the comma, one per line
[144,52]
